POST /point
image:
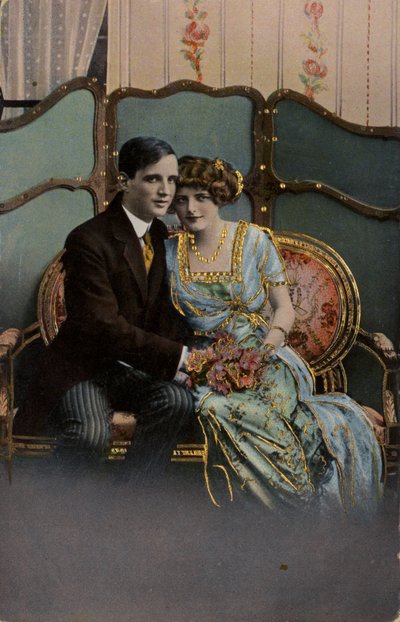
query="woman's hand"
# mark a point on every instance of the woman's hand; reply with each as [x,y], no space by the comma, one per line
[268,350]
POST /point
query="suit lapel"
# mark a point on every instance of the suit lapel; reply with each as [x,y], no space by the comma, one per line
[123,231]
[134,256]
[157,270]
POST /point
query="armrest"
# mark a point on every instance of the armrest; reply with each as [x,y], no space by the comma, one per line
[382,346]
[390,359]
[10,339]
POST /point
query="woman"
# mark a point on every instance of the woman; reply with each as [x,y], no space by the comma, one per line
[282,442]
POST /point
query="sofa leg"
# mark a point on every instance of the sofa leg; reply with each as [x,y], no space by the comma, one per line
[123,426]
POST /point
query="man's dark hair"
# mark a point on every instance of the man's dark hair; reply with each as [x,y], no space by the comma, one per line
[141,151]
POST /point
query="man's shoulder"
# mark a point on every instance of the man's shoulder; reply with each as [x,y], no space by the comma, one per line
[98,225]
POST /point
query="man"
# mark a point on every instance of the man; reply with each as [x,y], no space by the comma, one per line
[121,344]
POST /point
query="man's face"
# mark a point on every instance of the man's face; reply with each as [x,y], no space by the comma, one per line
[151,191]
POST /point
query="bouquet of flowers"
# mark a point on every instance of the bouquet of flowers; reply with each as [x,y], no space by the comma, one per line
[225,366]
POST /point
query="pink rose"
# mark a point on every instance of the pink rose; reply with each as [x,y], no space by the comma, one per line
[314,9]
[312,68]
[195,33]
[251,360]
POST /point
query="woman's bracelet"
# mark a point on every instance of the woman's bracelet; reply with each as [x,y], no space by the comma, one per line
[282,331]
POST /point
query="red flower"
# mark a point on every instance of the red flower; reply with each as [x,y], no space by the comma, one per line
[314,9]
[194,32]
[225,366]
[250,359]
[312,68]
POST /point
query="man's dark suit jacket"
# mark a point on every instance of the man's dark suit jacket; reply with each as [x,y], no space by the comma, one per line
[115,311]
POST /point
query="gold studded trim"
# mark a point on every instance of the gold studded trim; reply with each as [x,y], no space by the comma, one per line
[235,273]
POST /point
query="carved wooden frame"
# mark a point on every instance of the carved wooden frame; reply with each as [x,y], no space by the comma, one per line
[262,184]
[275,185]
[95,182]
[252,185]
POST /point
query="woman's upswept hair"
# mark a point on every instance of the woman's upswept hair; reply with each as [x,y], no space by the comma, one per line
[216,176]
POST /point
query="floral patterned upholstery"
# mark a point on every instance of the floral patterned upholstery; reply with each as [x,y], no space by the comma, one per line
[316,301]
[325,299]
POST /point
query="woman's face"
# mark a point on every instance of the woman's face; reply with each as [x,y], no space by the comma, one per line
[196,209]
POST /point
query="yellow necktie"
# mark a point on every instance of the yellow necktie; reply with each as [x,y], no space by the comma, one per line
[148,251]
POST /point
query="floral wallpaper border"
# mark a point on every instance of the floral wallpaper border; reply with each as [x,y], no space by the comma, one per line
[314,66]
[195,35]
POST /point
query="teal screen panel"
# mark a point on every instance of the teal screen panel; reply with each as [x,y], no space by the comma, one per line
[369,247]
[196,124]
[58,144]
[311,148]
[30,237]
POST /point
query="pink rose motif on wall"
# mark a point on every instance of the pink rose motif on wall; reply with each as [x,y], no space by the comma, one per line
[314,8]
[314,11]
[314,67]
[195,34]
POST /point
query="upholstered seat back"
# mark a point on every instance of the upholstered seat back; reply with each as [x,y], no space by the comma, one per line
[325,298]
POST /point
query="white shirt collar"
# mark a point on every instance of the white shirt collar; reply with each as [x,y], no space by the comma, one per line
[140,226]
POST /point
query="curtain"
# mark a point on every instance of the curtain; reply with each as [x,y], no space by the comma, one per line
[44,43]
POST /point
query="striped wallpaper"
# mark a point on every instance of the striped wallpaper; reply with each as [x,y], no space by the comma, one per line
[342,53]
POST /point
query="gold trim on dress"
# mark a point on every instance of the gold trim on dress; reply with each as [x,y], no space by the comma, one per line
[283,476]
[350,437]
[174,295]
[235,274]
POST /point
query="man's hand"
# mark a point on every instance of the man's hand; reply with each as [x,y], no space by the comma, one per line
[181,378]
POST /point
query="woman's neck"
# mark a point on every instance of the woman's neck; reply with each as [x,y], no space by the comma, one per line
[211,250]
[211,235]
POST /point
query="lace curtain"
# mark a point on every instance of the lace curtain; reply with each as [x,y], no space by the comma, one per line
[44,43]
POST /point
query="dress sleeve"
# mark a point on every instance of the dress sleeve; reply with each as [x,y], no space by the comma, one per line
[270,262]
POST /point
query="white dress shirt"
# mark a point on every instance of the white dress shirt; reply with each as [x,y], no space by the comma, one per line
[140,226]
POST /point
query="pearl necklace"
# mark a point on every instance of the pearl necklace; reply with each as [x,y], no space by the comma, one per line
[215,254]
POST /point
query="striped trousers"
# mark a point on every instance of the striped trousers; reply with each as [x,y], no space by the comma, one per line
[83,415]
